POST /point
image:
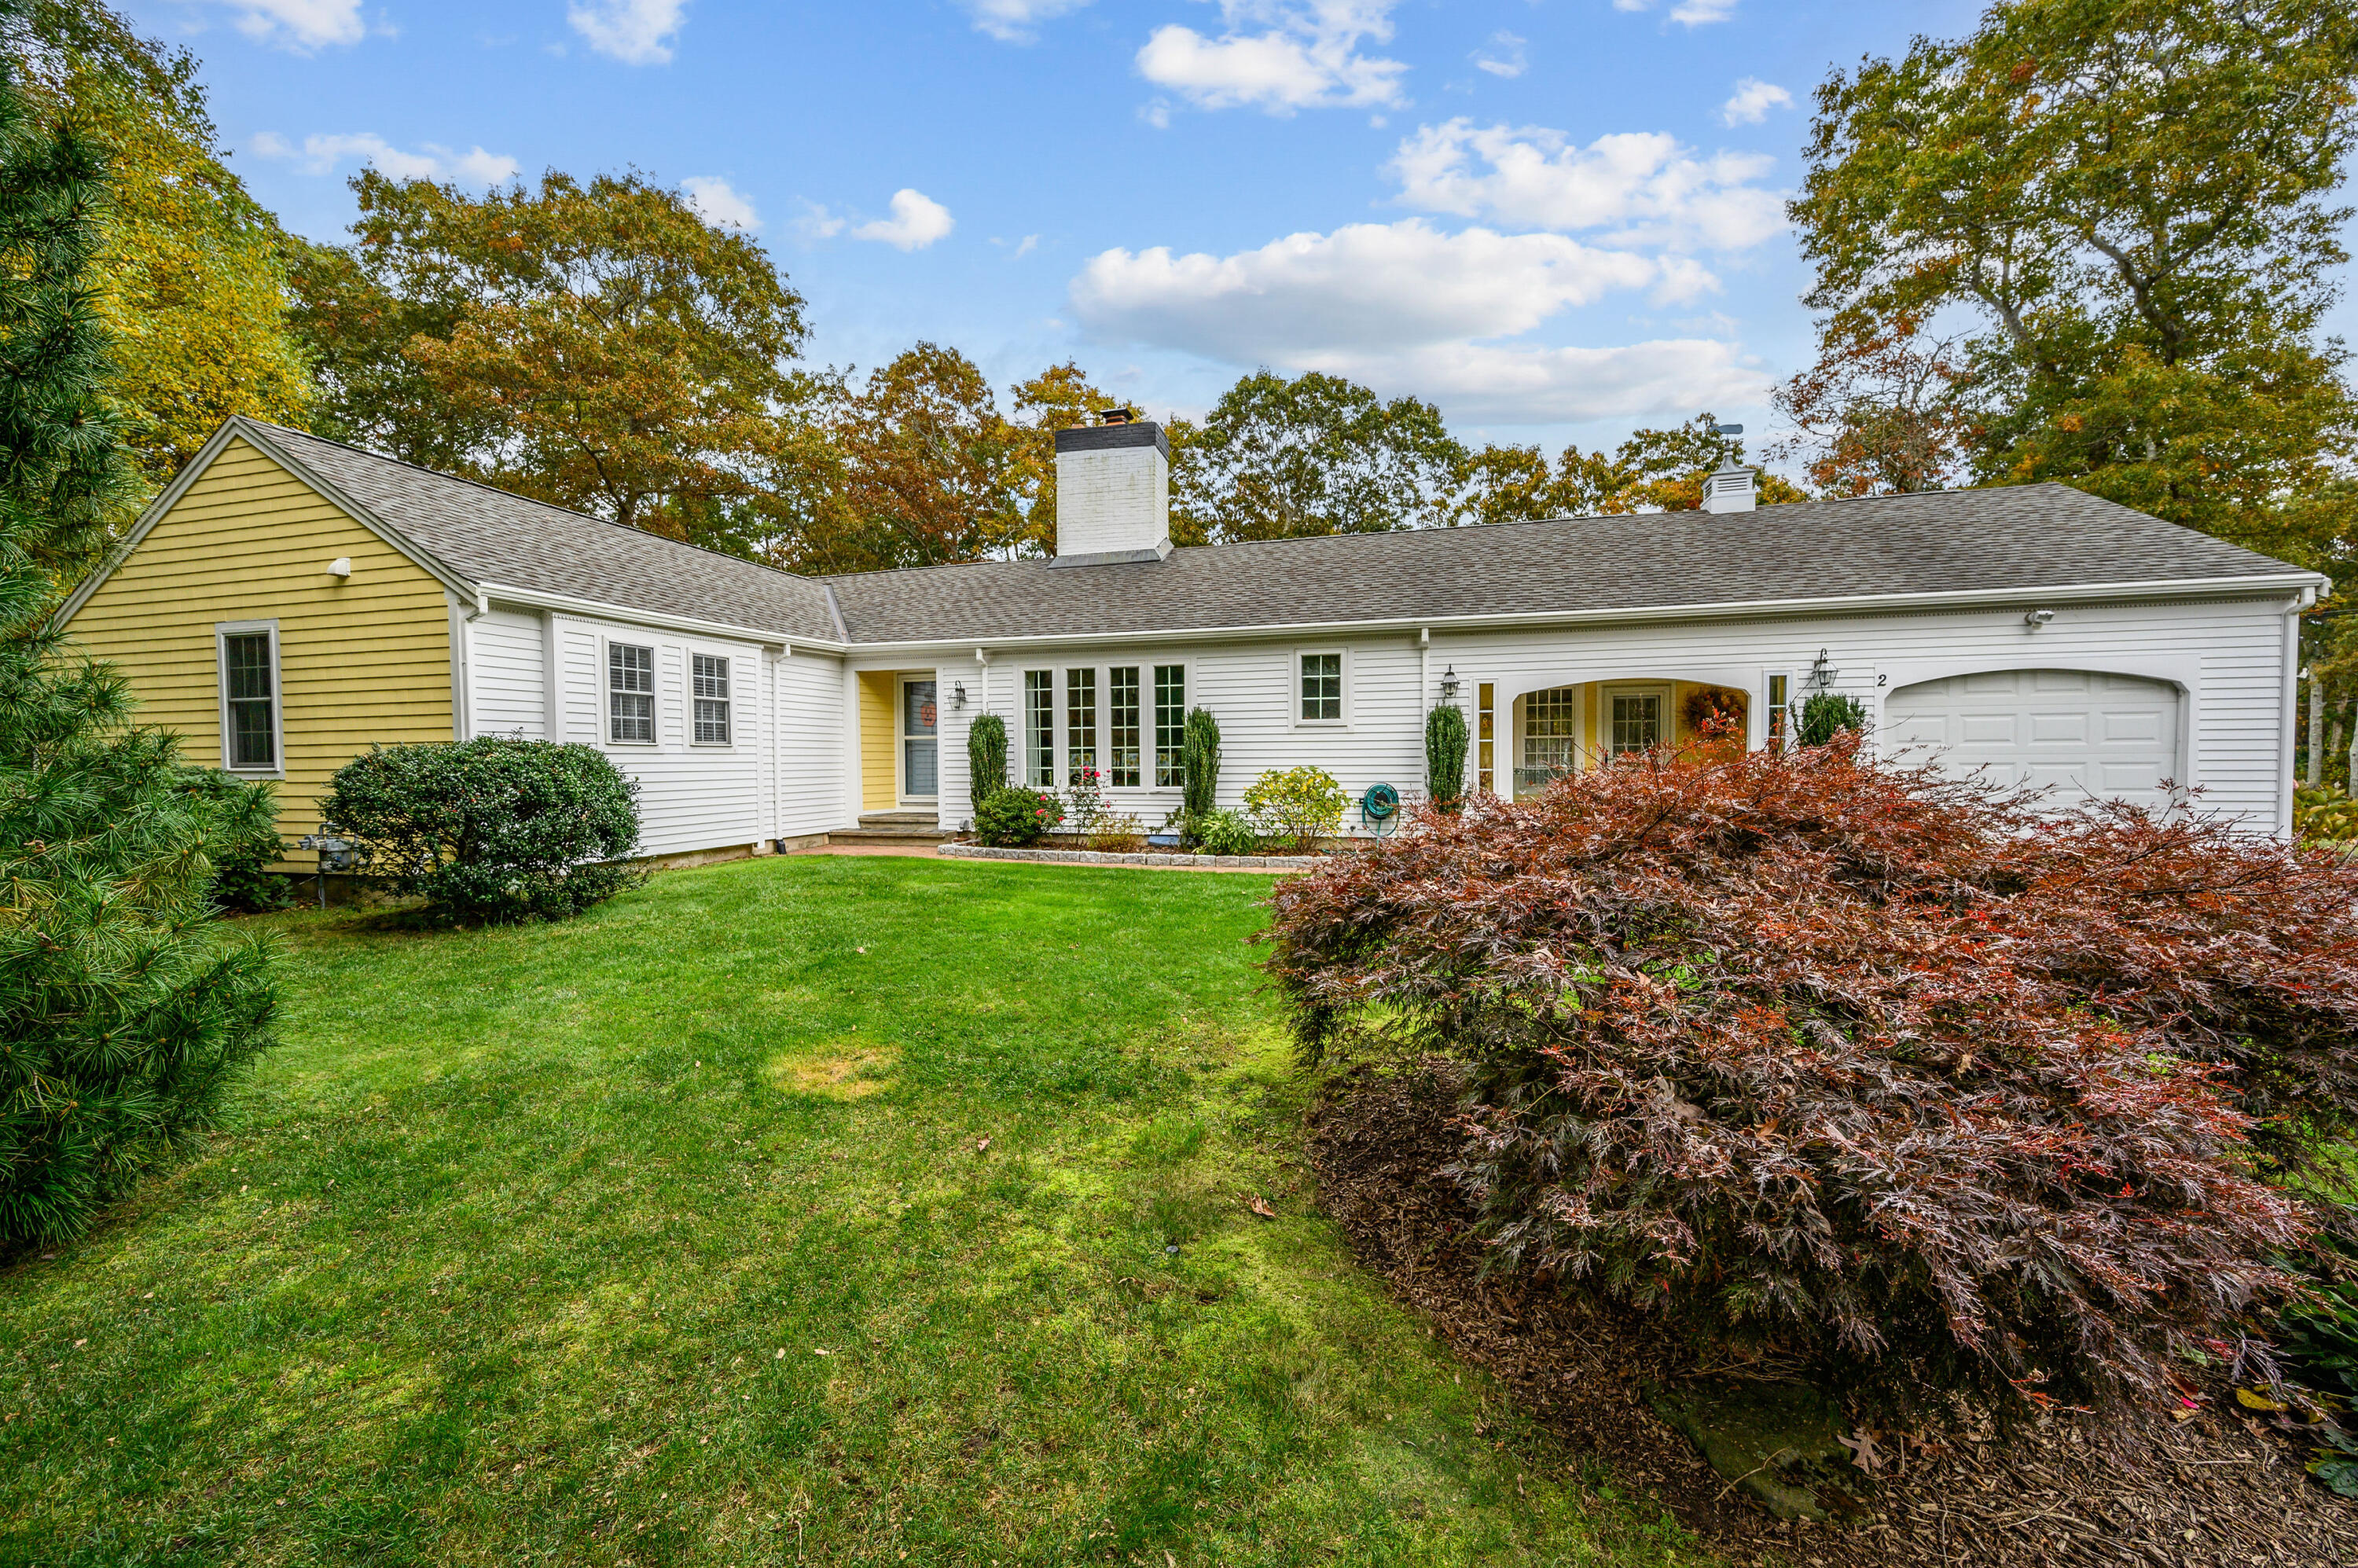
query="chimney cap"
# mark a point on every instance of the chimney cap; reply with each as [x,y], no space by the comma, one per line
[1121,414]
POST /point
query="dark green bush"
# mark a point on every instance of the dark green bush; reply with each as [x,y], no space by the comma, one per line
[1825,715]
[245,817]
[986,759]
[1227,832]
[1012,818]
[491,829]
[1445,755]
[1199,752]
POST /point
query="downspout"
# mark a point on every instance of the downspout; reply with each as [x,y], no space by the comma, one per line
[2286,710]
[2316,732]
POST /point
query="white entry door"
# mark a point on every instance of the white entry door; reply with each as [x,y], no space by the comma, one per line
[2106,736]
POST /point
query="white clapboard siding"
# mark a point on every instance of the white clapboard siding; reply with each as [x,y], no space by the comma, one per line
[507,675]
[814,788]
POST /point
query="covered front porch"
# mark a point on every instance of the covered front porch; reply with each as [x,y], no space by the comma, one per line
[1525,741]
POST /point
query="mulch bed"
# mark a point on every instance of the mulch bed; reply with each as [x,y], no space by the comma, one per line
[2215,1489]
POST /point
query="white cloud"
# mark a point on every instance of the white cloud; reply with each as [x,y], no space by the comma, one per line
[1642,188]
[1304,55]
[301,25]
[1013,21]
[1692,13]
[1506,386]
[917,221]
[1507,58]
[1364,288]
[1753,100]
[325,155]
[817,223]
[719,202]
[636,32]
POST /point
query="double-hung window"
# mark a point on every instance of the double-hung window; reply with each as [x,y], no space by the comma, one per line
[1781,710]
[1080,723]
[1170,725]
[630,695]
[1040,729]
[249,690]
[1121,726]
[710,673]
[1322,689]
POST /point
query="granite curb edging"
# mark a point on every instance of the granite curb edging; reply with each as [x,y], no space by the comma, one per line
[1096,857]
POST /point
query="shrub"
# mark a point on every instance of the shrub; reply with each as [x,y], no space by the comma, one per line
[1199,751]
[244,815]
[1296,805]
[490,829]
[1227,832]
[1825,715]
[1084,801]
[986,759]
[1117,833]
[1445,755]
[1013,817]
[2324,815]
[1863,1063]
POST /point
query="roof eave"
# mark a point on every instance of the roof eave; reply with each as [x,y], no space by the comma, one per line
[572,604]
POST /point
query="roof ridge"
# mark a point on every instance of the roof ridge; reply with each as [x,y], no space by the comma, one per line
[530,500]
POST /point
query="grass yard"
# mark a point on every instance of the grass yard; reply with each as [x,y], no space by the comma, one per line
[670,1237]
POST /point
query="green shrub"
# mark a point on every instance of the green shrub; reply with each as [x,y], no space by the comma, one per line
[244,816]
[1297,806]
[2324,815]
[1014,818]
[1223,831]
[491,829]
[1199,752]
[1824,715]
[1445,755]
[986,759]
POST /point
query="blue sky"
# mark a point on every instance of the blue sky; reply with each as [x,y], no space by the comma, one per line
[1557,219]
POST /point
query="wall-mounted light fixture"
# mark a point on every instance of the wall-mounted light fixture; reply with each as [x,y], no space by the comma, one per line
[1449,684]
[341,566]
[957,694]
[2037,618]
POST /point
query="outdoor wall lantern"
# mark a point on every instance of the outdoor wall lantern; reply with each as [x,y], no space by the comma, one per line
[1449,684]
[957,694]
[2037,618]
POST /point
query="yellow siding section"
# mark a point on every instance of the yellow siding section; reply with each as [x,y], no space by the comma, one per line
[361,660]
[880,778]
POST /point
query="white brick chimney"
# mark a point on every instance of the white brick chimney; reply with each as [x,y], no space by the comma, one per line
[1728,487]
[1113,491]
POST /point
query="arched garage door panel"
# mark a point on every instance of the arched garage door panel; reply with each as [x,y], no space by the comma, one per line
[2084,734]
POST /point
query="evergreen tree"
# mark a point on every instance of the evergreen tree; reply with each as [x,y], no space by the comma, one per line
[124,1011]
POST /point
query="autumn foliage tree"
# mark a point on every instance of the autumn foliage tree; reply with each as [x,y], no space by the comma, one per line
[931,470]
[1864,1063]
[1279,458]
[1656,469]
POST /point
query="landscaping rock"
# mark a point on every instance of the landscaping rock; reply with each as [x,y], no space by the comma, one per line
[1780,1442]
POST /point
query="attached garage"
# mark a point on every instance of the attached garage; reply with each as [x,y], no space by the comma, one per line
[2081,733]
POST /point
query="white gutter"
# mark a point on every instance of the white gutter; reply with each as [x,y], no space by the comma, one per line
[539,598]
[1861,605]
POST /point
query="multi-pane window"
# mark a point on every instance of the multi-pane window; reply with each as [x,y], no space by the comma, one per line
[1550,733]
[710,673]
[1121,726]
[249,697]
[1485,743]
[630,694]
[1637,721]
[1780,710]
[1321,687]
[1170,725]
[1080,723]
[1040,729]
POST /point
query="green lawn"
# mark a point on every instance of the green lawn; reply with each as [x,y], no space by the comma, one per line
[669,1236]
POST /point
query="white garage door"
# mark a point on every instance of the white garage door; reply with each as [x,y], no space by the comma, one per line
[2108,736]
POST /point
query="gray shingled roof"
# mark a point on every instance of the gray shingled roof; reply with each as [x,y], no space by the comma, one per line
[2024,538]
[490,536]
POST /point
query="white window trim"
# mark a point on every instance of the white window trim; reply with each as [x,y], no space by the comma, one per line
[607,642]
[1145,668]
[1195,700]
[1608,691]
[729,659]
[1293,690]
[901,681]
[1021,741]
[222,632]
[1768,709]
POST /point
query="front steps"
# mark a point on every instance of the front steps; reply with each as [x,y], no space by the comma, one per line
[892,830]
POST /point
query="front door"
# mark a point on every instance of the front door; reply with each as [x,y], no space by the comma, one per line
[920,770]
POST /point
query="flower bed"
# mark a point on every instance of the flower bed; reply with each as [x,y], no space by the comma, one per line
[1095,857]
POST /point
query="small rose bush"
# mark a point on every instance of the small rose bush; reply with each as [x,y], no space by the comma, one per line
[494,829]
[1865,1065]
[1013,817]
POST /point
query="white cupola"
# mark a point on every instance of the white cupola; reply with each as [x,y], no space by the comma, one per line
[1728,487]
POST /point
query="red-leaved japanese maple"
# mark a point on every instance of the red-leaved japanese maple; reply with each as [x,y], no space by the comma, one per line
[1863,1063]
